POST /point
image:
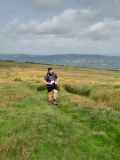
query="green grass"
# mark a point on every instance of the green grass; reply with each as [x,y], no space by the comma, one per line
[41,88]
[102,94]
[32,130]
[83,90]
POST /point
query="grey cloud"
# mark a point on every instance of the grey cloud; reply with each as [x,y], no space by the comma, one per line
[88,24]
[55,4]
[69,24]
[104,7]
[103,30]
[66,23]
[109,8]
[46,3]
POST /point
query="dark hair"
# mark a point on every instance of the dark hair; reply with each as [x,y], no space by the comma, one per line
[49,69]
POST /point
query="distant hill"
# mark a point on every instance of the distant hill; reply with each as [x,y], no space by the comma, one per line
[81,60]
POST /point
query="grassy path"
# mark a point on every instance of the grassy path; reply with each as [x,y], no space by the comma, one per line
[32,130]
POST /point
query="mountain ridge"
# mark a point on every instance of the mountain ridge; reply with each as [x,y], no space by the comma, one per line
[76,60]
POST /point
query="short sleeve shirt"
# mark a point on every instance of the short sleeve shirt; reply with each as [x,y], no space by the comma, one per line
[50,77]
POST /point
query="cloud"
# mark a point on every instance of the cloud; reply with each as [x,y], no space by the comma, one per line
[46,4]
[109,8]
[69,24]
[103,30]
[66,23]
[81,25]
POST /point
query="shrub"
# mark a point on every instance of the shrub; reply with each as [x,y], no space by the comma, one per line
[41,88]
[17,79]
[116,86]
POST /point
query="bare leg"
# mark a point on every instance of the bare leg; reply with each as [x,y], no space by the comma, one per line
[50,97]
[55,96]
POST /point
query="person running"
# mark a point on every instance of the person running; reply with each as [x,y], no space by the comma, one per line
[51,80]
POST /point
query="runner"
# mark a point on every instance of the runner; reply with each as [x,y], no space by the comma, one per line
[51,79]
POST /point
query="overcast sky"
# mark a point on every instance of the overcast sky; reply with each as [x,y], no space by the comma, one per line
[60,26]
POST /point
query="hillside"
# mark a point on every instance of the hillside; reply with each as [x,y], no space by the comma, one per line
[89,61]
[84,126]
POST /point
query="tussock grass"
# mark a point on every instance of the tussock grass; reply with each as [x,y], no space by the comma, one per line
[17,79]
[103,94]
[41,87]
[108,97]
[78,89]
[116,86]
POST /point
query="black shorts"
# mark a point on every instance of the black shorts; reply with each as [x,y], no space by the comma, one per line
[52,87]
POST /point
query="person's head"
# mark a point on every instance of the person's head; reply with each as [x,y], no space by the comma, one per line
[50,70]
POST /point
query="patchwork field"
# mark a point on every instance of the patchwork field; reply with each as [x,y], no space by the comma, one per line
[84,126]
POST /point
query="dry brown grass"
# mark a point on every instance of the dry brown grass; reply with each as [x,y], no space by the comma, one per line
[13,72]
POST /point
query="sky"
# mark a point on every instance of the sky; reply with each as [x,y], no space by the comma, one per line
[60,27]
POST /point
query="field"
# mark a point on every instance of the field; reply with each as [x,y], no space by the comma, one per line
[84,126]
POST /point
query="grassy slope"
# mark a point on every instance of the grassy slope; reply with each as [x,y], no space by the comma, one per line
[32,130]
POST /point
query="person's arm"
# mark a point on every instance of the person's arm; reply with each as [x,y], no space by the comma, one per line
[45,80]
[56,78]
